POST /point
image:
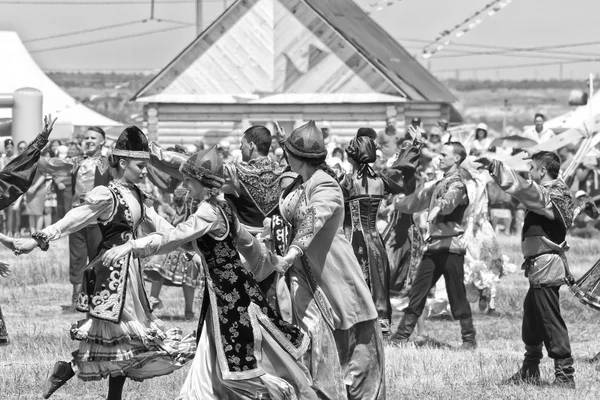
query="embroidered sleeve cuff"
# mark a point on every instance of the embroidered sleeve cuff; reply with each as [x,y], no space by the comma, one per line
[39,142]
[298,248]
[145,247]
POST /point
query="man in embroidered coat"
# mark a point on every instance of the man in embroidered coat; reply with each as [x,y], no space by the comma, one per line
[251,185]
[444,252]
[87,172]
[549,216]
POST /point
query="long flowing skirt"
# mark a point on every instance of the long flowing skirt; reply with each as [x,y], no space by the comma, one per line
[362,359]
[322,359]
[139,347]
[404,251]
[284,378]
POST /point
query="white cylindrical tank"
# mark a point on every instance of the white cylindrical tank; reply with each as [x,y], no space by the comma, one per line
[26,114]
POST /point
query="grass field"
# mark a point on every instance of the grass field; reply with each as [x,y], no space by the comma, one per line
[32,296]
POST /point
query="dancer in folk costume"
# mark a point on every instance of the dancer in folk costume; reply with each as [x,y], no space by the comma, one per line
[485,264]
[15,179]
[245,349]
[550,208]
[363,192]
[445,251]
[178,268]
[251,185]
[119,338]
[329,296]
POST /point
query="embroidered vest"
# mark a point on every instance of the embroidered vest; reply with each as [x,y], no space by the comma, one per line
[260,195]
[232,293]
[103,294]
[554,229]
[101,178]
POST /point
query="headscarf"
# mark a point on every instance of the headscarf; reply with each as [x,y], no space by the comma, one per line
[363,151]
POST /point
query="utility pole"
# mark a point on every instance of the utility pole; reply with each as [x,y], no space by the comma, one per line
[560,71]
[505,110]
[199,17]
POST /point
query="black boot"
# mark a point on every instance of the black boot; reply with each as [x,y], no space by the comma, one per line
[60,375]
[467,331]
[564,373]
[405,329]
[530,372]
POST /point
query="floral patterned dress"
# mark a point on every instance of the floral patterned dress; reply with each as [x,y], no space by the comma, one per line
[245,349]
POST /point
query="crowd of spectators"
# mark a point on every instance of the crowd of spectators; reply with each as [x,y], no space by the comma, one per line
[50,195]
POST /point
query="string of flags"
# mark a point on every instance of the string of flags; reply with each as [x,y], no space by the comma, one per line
[381,4]
[470,23]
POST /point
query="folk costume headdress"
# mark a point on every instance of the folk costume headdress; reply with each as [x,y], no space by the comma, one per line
[307,143]
[132,143]
[206,167]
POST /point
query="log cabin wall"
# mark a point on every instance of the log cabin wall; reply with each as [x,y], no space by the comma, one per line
[188,123]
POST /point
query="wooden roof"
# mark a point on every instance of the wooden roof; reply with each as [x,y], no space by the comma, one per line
[269,47]
[350,21]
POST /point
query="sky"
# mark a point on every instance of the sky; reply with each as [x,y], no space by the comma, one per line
[522,24]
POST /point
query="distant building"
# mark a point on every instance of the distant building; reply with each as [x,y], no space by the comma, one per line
[291,60]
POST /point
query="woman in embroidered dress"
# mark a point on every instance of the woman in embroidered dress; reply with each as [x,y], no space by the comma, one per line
[363,192]
[245,349]
[15,179]
[178,268]
[119,338]
[329,296]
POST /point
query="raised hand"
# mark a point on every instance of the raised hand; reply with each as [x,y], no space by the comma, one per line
[24,246]
[485,162]
[116,253]
[279,132]
[589,208]
[414,132]
[48,125]
[4,270]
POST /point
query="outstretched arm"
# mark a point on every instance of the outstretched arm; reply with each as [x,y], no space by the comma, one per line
[167,161]
[16,178]
[533,196]
[98,206]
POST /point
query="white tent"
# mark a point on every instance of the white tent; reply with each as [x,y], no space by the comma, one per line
[577,117]
[18,70]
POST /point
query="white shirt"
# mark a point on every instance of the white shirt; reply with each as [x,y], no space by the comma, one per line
[545,135]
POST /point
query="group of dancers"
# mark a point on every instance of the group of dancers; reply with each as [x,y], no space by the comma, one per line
[296,289]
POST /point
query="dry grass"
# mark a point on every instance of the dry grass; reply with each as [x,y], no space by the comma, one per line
[31,300]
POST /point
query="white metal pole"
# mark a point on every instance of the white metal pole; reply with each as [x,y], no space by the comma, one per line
[590,101]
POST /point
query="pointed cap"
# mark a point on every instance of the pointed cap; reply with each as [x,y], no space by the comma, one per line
[205,166]
[132,143]
[307,142]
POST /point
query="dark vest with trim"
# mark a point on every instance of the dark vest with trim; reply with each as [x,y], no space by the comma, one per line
[553,229]
[259,194]
[103,293]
